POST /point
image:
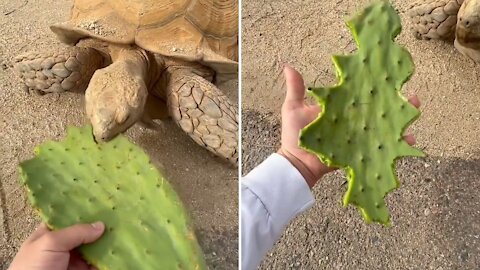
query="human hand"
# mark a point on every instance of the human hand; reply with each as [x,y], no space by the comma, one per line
[53,250]
[296,114]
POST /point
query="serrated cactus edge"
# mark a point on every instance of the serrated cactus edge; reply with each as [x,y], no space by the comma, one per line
[364,116]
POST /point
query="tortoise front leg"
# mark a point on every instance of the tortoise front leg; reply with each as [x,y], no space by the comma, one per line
[67,69]
[434,19]
[204,113]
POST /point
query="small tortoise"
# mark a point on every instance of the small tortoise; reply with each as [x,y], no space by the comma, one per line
[122,50]
[449,19]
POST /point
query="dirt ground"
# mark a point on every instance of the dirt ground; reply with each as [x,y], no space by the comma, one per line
[435,213]
[207,185]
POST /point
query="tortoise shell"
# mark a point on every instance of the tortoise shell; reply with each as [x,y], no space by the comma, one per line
[194,30]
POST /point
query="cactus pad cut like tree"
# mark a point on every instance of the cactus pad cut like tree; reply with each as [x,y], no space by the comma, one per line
[364,116]
[79,181]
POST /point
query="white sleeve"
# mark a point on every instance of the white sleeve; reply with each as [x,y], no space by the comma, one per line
[272,194]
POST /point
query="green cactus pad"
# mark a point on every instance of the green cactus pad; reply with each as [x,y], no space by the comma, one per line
[79,181]
[364,116]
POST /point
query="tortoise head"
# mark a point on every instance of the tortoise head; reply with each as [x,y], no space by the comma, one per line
[468,24]
[114,102]
[108,123]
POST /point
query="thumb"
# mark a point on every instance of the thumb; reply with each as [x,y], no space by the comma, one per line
[295,87]
[76,235]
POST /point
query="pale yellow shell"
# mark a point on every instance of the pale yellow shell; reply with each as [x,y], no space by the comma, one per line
[195,30]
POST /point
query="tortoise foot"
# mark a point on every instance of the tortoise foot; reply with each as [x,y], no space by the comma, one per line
[434,19]
[68,69]
[204,113]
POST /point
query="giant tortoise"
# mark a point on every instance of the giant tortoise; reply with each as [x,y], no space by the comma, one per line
[127,55]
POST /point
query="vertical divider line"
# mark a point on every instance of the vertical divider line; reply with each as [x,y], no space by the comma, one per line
[239,131]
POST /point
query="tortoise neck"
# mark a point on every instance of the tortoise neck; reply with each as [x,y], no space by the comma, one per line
[156,66]
[138,59]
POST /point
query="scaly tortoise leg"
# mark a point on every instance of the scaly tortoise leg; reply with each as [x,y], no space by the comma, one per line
[204,113]
[67,69]
[434,19]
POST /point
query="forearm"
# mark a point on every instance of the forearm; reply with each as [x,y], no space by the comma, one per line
[272,195]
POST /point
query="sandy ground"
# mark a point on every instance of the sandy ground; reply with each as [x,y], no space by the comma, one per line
[435,213]
[207,185]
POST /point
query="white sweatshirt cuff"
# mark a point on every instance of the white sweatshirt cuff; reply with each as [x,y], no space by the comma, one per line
[281,188]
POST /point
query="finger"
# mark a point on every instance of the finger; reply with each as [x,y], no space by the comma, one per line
[71,237]
[295,87]
[312,113]
[314,109]
[414,101]
[41,230]
[410,139]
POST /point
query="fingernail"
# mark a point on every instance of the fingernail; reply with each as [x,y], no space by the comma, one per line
[98,225]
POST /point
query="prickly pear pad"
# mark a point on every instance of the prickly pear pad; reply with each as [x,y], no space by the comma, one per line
[79,181]
[364,115]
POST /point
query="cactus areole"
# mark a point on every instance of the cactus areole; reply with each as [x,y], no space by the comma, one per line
[364,116]
[79,181]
